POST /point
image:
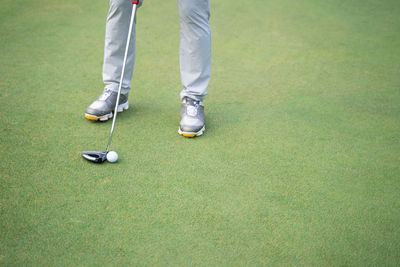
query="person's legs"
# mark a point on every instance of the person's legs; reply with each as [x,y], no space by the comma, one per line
[117,27]
[195,64]
[195,47]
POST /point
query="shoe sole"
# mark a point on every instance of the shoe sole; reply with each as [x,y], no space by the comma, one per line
[108,116]
[191,134]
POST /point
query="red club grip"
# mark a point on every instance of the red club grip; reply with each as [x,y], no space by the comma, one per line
[135,2]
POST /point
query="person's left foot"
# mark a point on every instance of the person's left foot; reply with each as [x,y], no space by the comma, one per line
[192,118]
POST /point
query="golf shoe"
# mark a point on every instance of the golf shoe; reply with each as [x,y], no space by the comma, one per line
[103,107]
[192,118]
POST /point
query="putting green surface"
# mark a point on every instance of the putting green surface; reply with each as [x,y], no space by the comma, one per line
[299,165]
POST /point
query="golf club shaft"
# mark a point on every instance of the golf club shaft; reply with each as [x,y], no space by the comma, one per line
[122,73]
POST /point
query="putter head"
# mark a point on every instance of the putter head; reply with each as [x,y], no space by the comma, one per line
[95,156]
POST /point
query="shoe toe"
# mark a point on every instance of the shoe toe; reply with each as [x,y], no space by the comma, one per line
[191,124]
[98,108]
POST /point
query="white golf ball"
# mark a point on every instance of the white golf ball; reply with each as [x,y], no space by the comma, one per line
[112,156]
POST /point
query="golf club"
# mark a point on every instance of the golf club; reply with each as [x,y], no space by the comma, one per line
[100,156]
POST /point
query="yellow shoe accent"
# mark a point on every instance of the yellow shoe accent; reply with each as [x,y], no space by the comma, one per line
[91,118]
[188,135]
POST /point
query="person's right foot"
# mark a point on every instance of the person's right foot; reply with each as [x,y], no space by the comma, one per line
[103,107]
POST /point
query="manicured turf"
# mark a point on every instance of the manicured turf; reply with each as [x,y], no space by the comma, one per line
[300,163]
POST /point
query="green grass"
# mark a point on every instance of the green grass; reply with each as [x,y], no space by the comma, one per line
[300,163]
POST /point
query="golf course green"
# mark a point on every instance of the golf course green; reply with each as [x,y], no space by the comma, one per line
[299,164]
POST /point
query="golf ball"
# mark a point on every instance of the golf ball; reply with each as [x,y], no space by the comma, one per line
[112,156]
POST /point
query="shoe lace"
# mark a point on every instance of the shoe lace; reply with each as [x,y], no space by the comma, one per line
[192,106]
[106,93]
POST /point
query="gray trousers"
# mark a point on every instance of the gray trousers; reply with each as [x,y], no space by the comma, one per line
[194,51]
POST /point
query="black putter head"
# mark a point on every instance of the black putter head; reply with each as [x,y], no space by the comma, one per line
[95,156]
